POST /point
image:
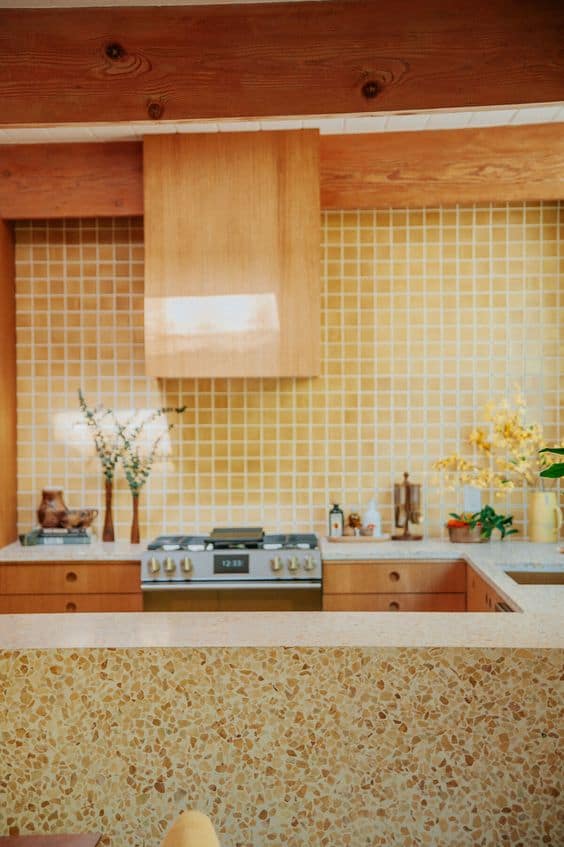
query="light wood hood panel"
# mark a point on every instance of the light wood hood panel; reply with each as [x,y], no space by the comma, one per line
[232,255]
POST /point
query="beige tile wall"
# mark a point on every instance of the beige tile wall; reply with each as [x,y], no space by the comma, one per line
[426,315]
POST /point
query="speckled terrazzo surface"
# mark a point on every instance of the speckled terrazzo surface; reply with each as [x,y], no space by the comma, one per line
[330,747]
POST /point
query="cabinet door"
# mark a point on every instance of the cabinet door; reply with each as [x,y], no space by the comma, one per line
[394,602]
[394,576]
[64,578]
[22,604]
[481,597]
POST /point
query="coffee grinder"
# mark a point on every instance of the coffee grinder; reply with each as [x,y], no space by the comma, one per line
[407,508]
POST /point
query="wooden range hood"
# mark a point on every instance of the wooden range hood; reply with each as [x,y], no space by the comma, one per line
[232,254]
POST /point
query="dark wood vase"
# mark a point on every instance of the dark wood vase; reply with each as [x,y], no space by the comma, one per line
[108,532]
[134,538]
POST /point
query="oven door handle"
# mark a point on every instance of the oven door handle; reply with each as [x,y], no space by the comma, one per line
[219,584]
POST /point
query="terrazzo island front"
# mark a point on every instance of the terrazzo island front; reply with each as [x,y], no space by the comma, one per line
[292,729]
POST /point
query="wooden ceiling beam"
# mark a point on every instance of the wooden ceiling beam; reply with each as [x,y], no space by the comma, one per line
[399,169]
[88,65]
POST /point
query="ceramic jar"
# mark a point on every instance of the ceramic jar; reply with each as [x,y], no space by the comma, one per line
[52,509]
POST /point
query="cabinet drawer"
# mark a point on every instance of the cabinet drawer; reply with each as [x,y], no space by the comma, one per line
[66,578]
[394,603]
[22,604]
[392,577]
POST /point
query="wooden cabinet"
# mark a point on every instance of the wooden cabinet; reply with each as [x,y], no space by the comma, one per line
[232,254]
[70,587]
[394,585]
[481,597]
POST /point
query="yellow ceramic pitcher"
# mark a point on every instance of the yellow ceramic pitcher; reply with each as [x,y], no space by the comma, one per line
[545,516]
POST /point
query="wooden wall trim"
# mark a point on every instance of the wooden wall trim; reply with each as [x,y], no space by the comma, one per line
[443,167]
[500,164]
[71,180]
[278,59]
[8,477]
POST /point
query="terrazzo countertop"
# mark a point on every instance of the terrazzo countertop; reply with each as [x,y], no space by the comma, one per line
[97,551]
[539,623]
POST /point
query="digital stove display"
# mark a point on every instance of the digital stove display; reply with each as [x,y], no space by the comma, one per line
[231,563]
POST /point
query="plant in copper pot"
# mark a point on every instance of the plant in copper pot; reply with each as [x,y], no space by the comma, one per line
[479,526]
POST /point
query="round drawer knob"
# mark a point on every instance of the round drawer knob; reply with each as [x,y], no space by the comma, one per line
[71,576]
[393,607]
[394,576]
[70,607]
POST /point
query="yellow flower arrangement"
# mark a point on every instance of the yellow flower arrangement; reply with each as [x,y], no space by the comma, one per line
[509,449]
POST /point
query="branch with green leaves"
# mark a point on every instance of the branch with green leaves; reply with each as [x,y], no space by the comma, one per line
[136,463]
[556,470]
[106,441]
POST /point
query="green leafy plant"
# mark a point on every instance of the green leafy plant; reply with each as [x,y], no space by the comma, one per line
[488,519]
[555,470]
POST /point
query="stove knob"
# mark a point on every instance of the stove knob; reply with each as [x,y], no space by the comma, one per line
[187,565]
[276,564]
[293,565]
[170,565]
[154,566]
[309,563]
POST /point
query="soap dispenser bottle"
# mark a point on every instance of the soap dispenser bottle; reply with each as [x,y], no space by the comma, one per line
[371,517]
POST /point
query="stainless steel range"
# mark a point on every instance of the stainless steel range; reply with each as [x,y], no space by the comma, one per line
[241,559]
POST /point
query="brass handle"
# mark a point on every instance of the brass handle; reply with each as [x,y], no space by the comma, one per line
[71,576]
[70,607]
[394,607]
[394,576]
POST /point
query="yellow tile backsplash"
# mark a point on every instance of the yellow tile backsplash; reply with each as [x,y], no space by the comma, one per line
[427,315]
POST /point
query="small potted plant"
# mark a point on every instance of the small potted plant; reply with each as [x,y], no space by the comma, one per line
[477,527]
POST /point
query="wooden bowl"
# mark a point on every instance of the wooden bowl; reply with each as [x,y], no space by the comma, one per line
[79,518]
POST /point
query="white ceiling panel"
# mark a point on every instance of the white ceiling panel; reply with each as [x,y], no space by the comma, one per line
[415,121]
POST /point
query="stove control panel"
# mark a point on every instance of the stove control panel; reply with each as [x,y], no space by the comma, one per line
[212,566]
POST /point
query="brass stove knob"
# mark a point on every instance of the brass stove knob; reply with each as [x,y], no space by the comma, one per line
[309,563]
[293,565]
[170,565]
[187,566]
[276,564]
[154,566]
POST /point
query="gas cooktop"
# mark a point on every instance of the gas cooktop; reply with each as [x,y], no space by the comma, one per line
[236,538]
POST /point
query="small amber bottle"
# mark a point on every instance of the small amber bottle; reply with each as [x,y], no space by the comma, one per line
[336,521]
